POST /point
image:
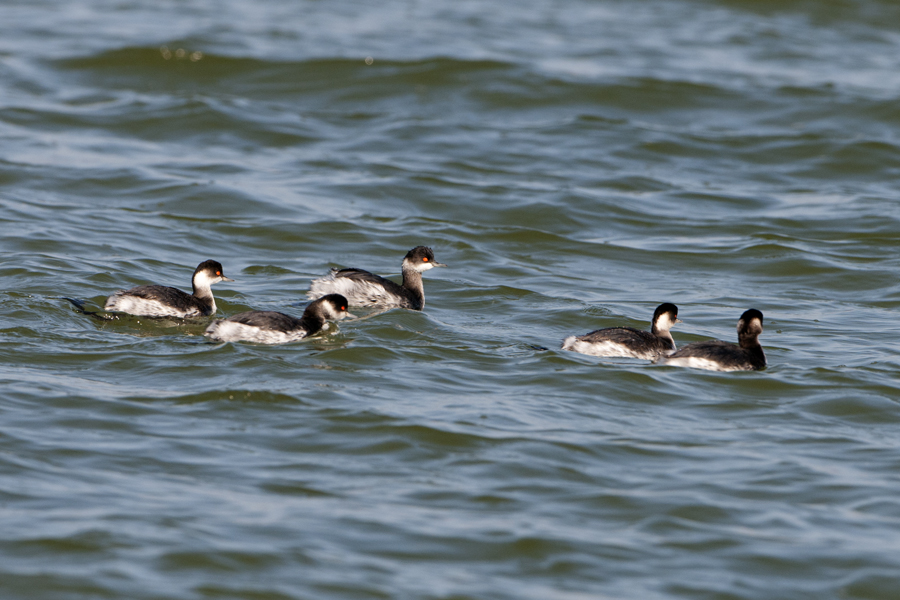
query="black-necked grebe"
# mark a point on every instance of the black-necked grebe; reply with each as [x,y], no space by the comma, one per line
[363,288]
[629,342]
[162,301]
[716,355]
[270,327]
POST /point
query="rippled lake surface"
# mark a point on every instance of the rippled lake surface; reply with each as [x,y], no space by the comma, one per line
[576,163]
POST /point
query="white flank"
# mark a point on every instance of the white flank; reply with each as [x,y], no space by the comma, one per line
[142,307]
[696,362]
[357,293]
[604,348]
[231,331]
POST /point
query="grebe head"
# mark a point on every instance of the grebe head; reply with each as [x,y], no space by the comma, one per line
[750,325]
[665,316]
[209,272]
[334,307]
[420,259]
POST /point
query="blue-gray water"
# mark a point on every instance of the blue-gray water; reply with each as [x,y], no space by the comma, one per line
[576,163]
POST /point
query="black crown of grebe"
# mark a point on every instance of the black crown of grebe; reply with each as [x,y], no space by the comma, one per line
[716,355]
[270,327]
[629,342]
[162,301]
[363,288]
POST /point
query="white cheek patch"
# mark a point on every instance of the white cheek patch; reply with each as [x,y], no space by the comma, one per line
[332,313]
[336,315]
[416,266]
[665,322]
[203,279]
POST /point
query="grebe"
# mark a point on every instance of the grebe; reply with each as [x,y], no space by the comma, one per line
[162,301]
[716,355]
[270,327]
[363,288]
[627,341]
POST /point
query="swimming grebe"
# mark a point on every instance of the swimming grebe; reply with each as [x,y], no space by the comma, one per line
[716,355]
[627,341]
[270,327]
[363,288]
[162,301]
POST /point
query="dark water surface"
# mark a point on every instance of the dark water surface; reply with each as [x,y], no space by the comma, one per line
[575,163]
